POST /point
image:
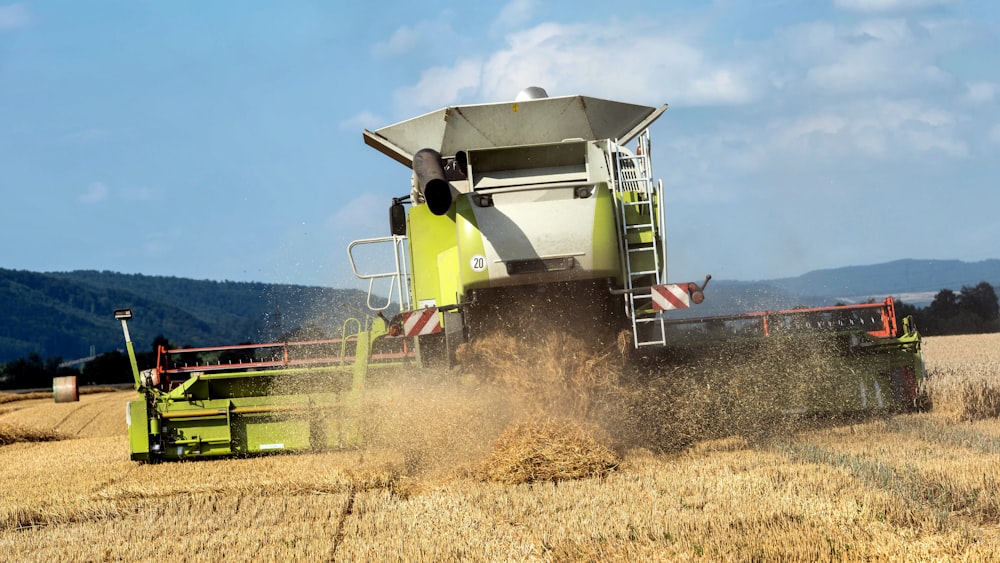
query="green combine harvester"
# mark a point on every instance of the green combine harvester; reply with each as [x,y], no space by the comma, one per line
[539,211]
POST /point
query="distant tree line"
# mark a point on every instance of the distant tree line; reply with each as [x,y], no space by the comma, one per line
[70,313]
[970,311]
[113,367]
[973,310]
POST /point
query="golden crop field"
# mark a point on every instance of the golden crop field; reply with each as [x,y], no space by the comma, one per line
[453,472]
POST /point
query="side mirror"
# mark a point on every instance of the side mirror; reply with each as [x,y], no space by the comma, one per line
[397,219]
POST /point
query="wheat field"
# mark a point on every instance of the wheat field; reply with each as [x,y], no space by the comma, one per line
[912,487]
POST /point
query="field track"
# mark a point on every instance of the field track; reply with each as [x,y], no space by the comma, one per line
[912,487]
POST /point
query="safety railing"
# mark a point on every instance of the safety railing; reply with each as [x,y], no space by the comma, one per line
[877,319]
[398,279]
[330,352]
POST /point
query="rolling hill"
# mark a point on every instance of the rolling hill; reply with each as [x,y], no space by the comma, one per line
[68,314]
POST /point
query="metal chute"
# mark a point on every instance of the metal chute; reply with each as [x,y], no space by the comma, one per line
[480,126]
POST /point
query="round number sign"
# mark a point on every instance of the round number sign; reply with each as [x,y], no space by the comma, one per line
[478,263]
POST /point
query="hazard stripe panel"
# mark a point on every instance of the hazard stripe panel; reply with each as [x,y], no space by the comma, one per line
[421,322]
[671,296]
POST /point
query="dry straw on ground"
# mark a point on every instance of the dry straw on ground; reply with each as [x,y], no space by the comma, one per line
[559,380]
[11,434]
[14,397]
[547,449]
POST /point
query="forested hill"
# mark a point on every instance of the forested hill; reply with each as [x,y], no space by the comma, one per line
[65,314]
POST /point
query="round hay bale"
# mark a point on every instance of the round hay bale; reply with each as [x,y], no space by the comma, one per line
[65,390]
[546,450]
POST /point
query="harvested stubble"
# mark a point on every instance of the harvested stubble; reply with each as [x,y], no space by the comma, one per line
[915,488]
[94,415]
[14,397]
[548,449]
[943,478]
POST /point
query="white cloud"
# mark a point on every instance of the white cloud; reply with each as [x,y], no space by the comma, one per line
[439,87]
[96,192]
[850,94]
[980,92]
[608,59]
[613,60]
[872,6]
[13,16]
[877,128]
[401,41]
[362,120]
[516,12]
[884,56]
[410,38]
[787,154]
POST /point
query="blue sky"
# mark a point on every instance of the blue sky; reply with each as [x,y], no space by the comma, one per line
[222,140]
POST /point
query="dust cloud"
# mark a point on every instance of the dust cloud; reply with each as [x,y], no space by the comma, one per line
[567,407]
[558,392]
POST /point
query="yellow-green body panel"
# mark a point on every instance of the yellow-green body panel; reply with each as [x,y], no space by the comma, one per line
[606,259]
[470,244]
[444,250]
[138,429]
[250,412]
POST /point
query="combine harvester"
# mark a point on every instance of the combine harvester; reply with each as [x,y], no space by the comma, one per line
[524,213]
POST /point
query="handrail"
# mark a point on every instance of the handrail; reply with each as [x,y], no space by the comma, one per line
[396,279]
[280,359]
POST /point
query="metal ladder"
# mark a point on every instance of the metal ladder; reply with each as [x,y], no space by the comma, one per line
[641,243]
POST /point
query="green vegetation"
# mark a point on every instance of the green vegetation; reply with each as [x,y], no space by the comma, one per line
[46,318]
[973,310]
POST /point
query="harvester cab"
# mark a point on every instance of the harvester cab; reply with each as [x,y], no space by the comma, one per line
[528,209]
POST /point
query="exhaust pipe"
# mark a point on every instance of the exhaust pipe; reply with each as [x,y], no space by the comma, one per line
[431,181]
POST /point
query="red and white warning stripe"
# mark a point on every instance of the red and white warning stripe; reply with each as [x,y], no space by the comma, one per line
[421,322]
[671,296]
